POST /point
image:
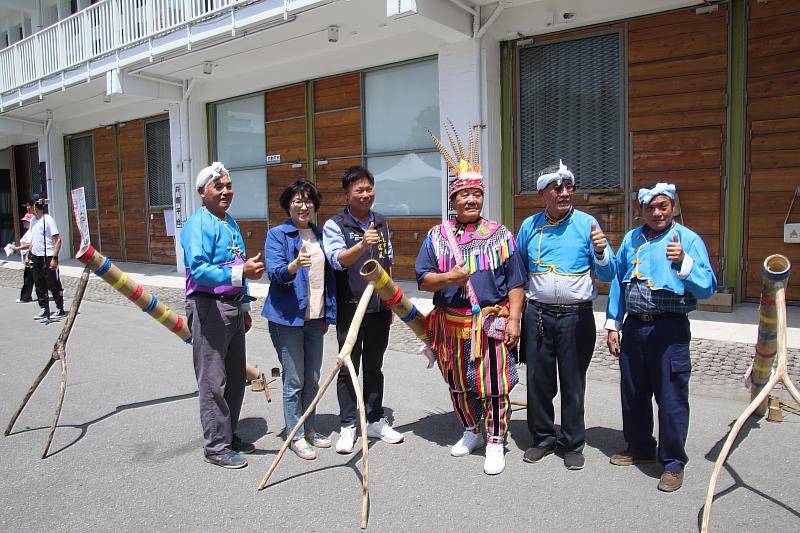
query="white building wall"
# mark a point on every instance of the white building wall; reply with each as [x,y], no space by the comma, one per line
[51,150]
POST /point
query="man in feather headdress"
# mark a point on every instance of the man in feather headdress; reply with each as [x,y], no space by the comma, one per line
[472,266]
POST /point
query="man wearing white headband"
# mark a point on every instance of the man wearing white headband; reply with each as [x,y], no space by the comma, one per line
[217,308]
[662,269]
[564,251]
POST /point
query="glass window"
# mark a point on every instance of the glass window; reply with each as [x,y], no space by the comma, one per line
[81,168]
[402,157]
[249,194]
[240,146]
[570,108]
[240,132]
[159,163]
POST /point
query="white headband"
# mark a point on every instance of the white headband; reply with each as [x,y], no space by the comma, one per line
[215,171]
[558,176]
[647,195]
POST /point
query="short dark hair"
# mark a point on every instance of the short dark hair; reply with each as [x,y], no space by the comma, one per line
[356,173]
[305,189]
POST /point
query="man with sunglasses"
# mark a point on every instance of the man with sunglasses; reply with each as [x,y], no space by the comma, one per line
[564,250]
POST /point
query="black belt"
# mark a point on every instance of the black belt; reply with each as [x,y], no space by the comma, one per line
[562,308]
[651,317]
[235,298]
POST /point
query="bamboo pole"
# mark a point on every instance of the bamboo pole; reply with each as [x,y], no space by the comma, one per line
[342,359]
[393,297]
[774,265]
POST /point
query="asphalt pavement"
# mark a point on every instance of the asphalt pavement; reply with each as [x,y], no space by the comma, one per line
[127,452]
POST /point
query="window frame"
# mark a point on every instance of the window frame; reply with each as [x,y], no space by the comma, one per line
[68,150]
[147,170]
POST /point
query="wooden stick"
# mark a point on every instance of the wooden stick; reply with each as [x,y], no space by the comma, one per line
[28,395]
[342,359]
[780,375]
[362,417]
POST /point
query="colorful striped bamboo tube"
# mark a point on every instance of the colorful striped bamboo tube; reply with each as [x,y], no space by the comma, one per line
[776,271]
[103,267]
[393,297]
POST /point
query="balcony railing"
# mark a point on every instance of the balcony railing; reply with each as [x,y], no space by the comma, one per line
[101,29]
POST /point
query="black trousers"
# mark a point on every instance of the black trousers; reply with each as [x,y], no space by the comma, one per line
[26,293]
[373,338]
[46,279]
[566,345]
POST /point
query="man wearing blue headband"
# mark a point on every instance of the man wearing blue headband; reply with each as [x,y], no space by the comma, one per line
[564,251]
[662,270]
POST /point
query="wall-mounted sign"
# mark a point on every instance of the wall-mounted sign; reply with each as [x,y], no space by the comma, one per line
[180,211]
[274,158]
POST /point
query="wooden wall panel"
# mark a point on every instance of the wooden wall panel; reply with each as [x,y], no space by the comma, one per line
[329,184]
[407,234]
[278,178]
[337,133]
[162,246]
[677,76]
[134,191]
[105,172]
[288,102]
[773,148]
[338,92]
[287,138]
[254,233]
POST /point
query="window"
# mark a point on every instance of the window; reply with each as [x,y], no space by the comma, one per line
[159,163]
[240,145]
[81,168]
[570,108]
[400,103]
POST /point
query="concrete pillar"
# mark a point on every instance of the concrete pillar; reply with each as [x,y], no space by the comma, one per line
[51,151]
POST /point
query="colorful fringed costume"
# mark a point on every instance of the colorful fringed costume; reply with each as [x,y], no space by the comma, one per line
[481,380]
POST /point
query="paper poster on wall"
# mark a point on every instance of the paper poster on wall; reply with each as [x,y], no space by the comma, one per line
[169,222]
[179,215]
[81,217]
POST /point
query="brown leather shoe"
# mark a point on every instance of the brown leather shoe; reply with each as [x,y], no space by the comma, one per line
[627,458]
[670,481]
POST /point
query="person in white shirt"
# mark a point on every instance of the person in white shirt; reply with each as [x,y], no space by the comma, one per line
[25,294]
[43,257]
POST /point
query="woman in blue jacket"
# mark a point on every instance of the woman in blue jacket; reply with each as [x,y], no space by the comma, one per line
[300,306]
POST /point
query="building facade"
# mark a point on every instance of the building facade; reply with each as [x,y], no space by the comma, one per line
[130,98]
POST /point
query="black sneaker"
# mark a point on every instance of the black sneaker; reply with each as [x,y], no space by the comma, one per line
[240,446]
[60,314]
[535,454]
[574,460]
[229,459]
[44,314]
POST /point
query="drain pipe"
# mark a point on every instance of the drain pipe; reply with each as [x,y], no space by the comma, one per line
[186,141]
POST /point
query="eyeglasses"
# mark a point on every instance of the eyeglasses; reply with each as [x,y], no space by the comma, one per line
[558,189]
[302,203]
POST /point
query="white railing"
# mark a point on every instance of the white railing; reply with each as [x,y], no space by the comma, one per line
[100,29]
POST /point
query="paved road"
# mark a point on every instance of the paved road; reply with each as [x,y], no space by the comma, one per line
[127,453]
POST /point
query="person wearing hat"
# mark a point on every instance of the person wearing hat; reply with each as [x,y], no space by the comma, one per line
[43,257]
[25,294]
[350,238]
[662,270]
[476,273]
[564,251]
[218,313]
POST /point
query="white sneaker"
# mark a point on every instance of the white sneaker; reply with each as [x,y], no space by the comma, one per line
[382,430]
[495,461]
[303,449]
[317,440]
[467,444]
[347,439]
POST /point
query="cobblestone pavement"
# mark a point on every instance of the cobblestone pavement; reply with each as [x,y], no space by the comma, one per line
[717,367]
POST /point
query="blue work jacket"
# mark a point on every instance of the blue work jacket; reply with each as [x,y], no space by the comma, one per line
[288,294]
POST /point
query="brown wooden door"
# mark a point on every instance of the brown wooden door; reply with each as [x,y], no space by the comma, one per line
[773,143]
[134,191]
[677,78]
[106,178]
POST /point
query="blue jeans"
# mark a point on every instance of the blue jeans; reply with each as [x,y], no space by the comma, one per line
[300,353]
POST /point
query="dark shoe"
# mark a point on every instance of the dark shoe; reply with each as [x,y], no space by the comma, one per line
[229,459]
[240,446]
[60,314]
[670,481]
[574,460]
[627,458]
[44,314]
[534,454]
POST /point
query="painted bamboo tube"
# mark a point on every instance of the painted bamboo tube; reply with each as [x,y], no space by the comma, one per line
[775,272]
[393,297]
[147,302]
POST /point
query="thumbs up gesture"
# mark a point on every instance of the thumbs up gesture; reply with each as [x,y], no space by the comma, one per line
[254,267]
[371,236]
[303,260]
[675,251]
[598,238]
[459,274]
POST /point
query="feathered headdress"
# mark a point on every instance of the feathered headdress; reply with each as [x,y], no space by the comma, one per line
[464,163]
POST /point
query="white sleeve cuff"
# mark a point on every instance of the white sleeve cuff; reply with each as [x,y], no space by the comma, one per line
[236,275]
[613,325]
[686,267]
[602,261]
